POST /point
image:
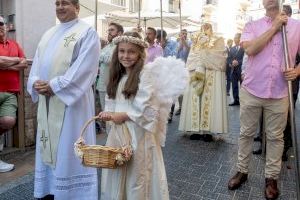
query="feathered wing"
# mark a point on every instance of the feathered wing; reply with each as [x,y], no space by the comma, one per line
[170,78]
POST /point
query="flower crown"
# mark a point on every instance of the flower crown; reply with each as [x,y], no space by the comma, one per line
[131,39]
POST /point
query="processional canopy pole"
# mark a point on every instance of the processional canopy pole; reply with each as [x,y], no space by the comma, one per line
[96,15]
[139,16]
[180,17]
[291,105]
[161,21]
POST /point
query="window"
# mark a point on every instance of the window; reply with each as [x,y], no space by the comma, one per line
[171,6]
[134,5]
[119,2]
[214,2]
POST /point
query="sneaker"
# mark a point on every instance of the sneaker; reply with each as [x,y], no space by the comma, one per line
[5,167]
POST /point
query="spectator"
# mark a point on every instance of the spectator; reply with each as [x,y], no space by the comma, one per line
[12,60]
[264,89]
[183,50]
[114,30]
[154,50]
[228,68]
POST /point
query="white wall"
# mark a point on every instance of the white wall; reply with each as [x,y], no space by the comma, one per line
[33,18]
[9,7]
[192,8]
[154,5]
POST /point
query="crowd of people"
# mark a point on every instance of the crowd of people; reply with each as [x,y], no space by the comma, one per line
[70,59]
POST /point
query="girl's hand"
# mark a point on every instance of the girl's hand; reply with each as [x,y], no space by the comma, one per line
[119,118]
[105,116]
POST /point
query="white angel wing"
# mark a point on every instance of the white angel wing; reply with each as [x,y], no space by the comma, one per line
[170,80]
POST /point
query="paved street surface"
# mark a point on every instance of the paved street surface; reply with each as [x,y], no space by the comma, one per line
[196,170]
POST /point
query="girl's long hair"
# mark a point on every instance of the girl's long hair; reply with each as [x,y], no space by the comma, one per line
[117,70]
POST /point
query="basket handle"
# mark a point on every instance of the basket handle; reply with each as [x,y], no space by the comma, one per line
[80,141]
[83,130]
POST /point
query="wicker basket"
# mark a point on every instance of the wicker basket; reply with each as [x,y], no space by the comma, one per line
[99,156]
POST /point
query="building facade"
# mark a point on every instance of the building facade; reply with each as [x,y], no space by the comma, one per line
[27,20]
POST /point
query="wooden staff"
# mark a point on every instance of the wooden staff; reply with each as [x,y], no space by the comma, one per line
[291,102]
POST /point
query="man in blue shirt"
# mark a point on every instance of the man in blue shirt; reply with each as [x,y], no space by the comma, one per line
[169,46]
[184,46]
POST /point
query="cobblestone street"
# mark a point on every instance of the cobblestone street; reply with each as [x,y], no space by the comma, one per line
[196,170]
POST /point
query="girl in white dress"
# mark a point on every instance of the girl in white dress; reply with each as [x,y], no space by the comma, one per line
[132,101]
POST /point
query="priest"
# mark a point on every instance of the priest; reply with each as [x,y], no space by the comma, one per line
[63,71]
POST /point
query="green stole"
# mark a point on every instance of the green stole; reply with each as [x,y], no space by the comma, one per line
[51,110]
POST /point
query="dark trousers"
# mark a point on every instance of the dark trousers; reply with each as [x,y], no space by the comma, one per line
[287,133]
[228,78]
[236,79]
[172,109]
[180,98]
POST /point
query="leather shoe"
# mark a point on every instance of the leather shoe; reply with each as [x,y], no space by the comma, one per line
[234,104]
[271,191]
[237,180]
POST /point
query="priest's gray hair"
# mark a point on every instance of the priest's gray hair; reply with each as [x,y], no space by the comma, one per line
[75,2]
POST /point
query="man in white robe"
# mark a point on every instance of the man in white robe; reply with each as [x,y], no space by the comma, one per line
[61,78]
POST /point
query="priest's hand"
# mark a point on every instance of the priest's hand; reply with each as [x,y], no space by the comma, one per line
[49,92]
[43,88]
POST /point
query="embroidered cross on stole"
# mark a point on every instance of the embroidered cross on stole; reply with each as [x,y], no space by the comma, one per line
[44,139]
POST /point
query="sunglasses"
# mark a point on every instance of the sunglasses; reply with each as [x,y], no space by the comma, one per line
[1,23]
